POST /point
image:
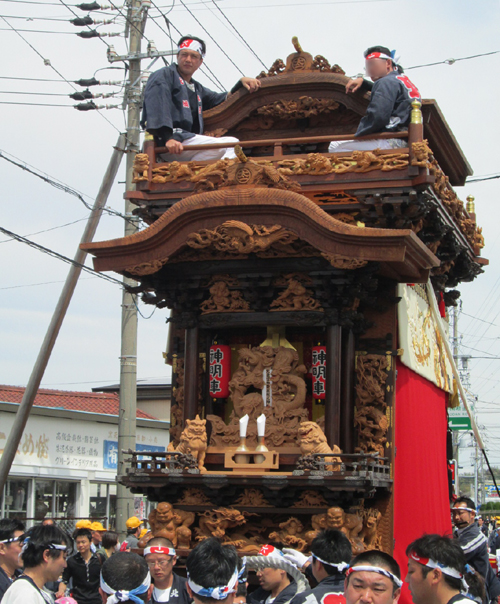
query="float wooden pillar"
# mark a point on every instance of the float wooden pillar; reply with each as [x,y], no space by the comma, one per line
[191,376]
[333,383]
[347,393]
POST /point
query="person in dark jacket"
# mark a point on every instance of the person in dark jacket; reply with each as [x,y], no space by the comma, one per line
[125,578]
[174,103]
[494,543]
[276,586]
[159,554]
[474,544]
[212,572]
[85,569]
[389,109]
[10,549]
[331,554]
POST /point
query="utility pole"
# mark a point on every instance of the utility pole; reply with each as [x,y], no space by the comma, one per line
[49,341]
[476,461]
[137,13]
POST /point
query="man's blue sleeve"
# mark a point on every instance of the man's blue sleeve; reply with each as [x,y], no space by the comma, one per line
[157,111]
[210,99]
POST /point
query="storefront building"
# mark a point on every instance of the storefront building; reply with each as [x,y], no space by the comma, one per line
[66,464]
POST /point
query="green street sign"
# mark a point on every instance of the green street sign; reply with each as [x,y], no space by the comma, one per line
[458,419]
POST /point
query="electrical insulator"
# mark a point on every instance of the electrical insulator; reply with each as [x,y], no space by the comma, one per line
[145,77]
[87,82]
[81,21]
[111,53]
[86,106]
[151,47]
[89,33]
[81,96]
[89,6]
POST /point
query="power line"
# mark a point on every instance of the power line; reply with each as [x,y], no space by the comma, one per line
[47,62]
[79,82]
[66,33]
[60,186]
[288,5]
[55,254]
[76,15]
[478,319]
[210,36]
[245,42]
[481,179]
[60,226]
[114,94]
[34,104]
[452,61]
[43,283]
[213,78]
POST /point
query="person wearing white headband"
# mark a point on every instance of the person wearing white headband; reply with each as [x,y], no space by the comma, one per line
[125,578]
[174,104]
[373,577]
[473,543]
[276,585]
[331,554]
[10,548]
[161,558]
[43,554]
[436,567]
[212,572]
[389,109]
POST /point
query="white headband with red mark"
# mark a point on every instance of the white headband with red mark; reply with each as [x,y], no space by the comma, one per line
[394,57]
[375,569]
[159,549]
[192,45]
[378,55]
[446,570]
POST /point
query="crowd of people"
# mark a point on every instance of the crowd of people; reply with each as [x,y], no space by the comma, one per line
[44,565]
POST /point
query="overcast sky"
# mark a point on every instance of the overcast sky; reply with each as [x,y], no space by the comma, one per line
[75,147]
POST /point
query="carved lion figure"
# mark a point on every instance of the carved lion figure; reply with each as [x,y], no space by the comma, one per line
[193,441]
[312,440]
[141,165]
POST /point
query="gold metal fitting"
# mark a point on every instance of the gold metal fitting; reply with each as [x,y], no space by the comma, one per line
[471,206]
[416,113]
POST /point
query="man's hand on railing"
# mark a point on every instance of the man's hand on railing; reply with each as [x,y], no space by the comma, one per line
[174,146]
[353,84]
[251,84]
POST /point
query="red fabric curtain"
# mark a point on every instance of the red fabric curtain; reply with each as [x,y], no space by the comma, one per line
[421,503]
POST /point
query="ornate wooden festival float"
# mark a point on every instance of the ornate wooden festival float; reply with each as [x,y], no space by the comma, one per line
[303,346]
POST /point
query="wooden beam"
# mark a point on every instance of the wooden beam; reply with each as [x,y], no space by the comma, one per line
[347,392]
[191,373]
[333,382]
[302,140]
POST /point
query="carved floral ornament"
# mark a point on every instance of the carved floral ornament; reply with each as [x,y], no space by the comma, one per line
[248,531]
[265,173]
[424,158]
[300,61]
[239,239]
